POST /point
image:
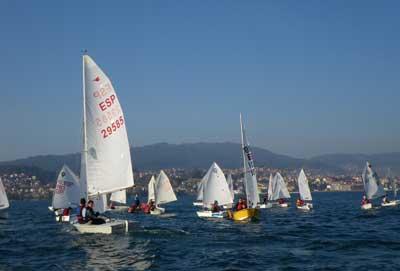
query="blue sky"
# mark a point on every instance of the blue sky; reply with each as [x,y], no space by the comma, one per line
[310,77]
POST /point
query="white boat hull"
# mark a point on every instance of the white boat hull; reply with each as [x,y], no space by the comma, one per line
[158,211]
[197,203]
[209,214]
[63,218]
[305,207]
[283,205]
[111,227]
[390,203]
[366,206]
[265,206]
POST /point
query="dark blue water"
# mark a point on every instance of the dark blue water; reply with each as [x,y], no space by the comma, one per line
[337,235]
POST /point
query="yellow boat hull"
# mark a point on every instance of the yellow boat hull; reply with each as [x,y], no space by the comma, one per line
[245,214]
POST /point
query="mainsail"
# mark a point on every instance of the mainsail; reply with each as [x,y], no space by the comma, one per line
[270,186]
[216,188]
[230,185]
[372,186]
[163,189]
[67,192]
[150,189]
[304,188]
[119,196]
[200,188]
[3,197]
[106,161]
[280,190]
[250,178]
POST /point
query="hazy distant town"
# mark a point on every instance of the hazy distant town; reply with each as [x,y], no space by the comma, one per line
[24,186]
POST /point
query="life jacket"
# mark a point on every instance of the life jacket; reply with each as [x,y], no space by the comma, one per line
[66,212]
[80,217]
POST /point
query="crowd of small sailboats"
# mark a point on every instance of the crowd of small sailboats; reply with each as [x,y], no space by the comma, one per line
[106,173]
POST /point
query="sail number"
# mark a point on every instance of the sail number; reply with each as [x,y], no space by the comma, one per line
[113,127]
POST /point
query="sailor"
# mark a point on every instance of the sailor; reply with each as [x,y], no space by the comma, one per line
[137,201]
[299,202]
[281,201]
[112,206]
[215,208]
[364,200]
[385,199]
[82,212]
[91,216]
[67,211]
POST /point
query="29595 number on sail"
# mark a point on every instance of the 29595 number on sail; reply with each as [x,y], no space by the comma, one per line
[113,127]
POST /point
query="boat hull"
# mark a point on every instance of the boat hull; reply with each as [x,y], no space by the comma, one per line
[209,214]
[158,211]
[265,206]
[245,214]
[283,205]
[390,203]
[112,227]
[197,203]
[366,206]
[305,207]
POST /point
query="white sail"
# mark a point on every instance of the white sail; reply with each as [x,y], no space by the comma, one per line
[372,186]
[106,161]
[250,178]
[150,189]
[304,189]
[230,185]
[280,190]
[3,197]
[216,188]
[270,187]
[100,203]
[68,191]
[119,196]
[164,192]
[200,188]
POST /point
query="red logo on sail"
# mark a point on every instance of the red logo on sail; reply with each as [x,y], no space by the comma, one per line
[97,79]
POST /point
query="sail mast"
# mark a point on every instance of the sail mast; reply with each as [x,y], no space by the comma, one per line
[244,158]
[83,174]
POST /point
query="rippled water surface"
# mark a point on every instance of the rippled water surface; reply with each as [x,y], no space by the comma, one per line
[337,235]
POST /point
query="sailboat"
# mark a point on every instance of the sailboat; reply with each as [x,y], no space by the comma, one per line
[4,204]
[390,203]
[118,197]
[279,191]
[268,203]
[215,188]
[372,187]
[304,193]
[106,161]
[200,188]
[66,194]
[250,182]
[162,193]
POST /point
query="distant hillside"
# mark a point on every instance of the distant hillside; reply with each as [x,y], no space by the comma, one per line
[227,155]
[163,155]
[355,162]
